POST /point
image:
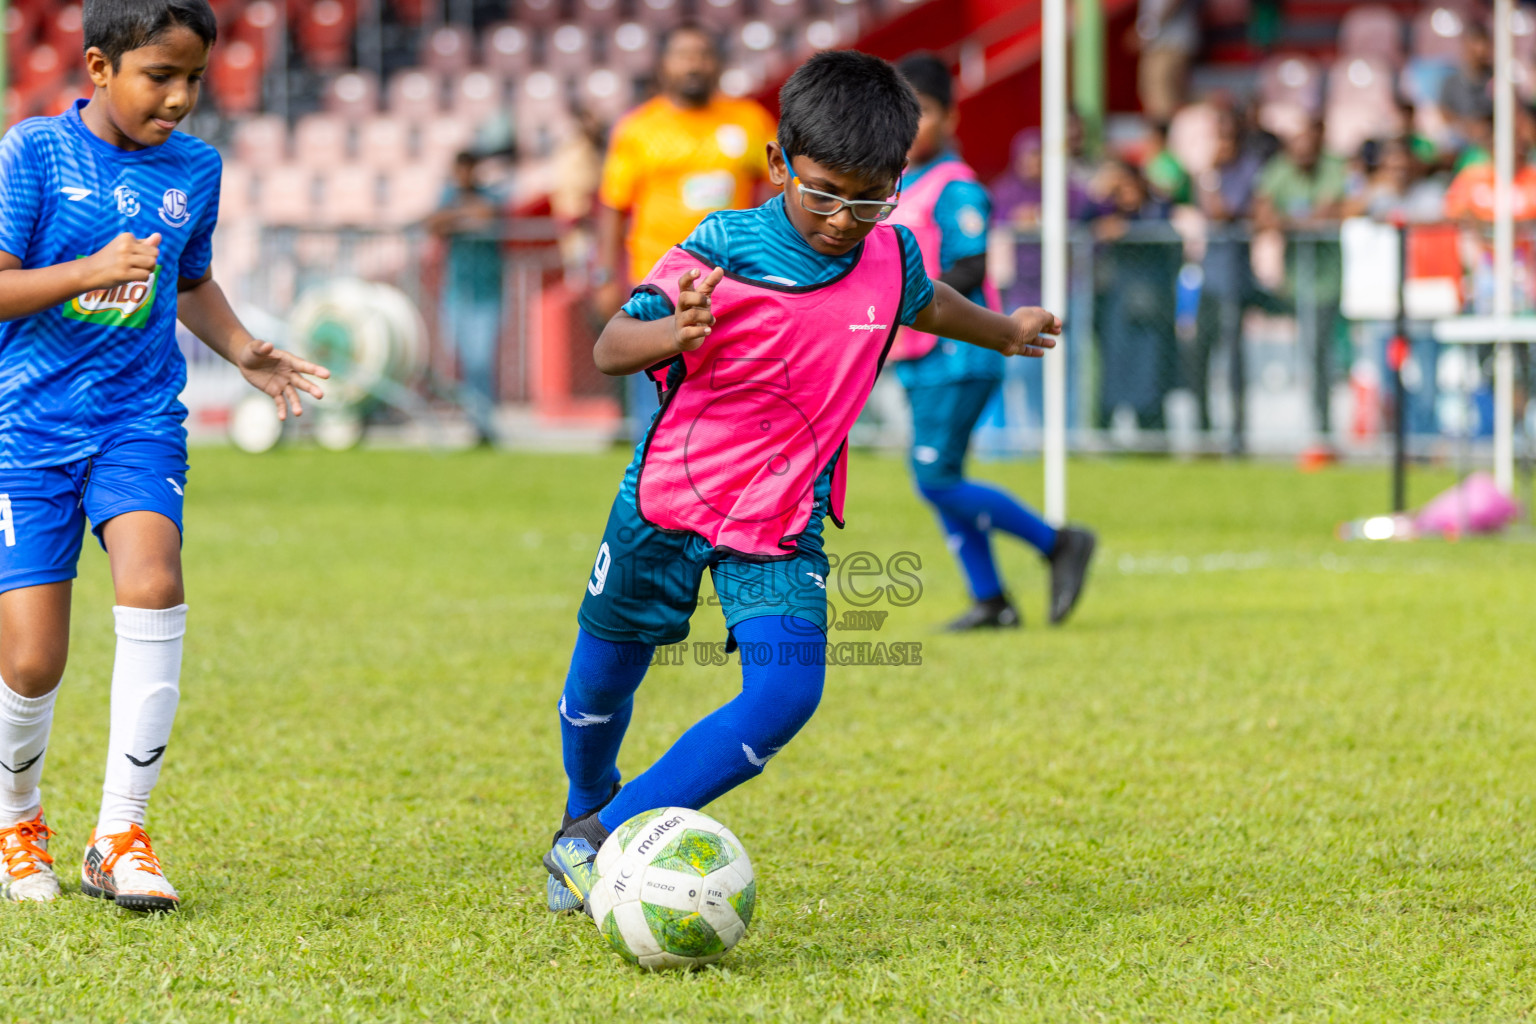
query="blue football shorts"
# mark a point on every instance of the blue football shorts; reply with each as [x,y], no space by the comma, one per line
[644,584]
[43,511]
[943,417]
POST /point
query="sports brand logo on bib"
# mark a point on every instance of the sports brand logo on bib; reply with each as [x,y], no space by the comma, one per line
[174,209]
[125,305]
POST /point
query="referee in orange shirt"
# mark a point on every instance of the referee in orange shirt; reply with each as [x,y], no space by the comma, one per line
[671,161]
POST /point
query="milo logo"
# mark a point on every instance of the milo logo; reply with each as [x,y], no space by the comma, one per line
[125,305]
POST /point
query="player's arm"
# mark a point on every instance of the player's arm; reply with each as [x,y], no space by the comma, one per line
[629,345]
[123,260]
[952,315]
[202,306]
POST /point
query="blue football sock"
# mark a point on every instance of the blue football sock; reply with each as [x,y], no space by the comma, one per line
[594,712]
[990,508]
[973,549]
[780,688]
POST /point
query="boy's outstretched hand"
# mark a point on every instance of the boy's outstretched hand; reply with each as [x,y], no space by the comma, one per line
[1031,322]
[280,374]
[694,319]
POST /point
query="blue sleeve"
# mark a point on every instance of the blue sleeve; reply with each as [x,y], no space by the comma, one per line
[646,304]
[711,240]
[21,191]
[962,213]
[197,256]
[917,290]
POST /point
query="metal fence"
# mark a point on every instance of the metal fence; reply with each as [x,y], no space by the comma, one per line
[1175,343]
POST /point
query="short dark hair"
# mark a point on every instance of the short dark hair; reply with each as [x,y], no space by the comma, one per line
[690,28]
[928,76]
[116,26]
[850,112]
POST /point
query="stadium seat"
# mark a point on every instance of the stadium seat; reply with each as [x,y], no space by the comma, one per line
[415,94]
[410,12]
[1291,80]
[659,15]
[235,191]
[262,141]
[598,13]
[721,15]
[441,139]
[325,35]
[410,193]
[817,35]
[541,13]
[41,70]
[235,78]
[1361,104]
[354,95]
[507,49]
[540,113]
[64,32]
[384,142]
[447,50]
[1523,26]
[606,93]
[320,141]
[17,107]
[476,95]
[64,97]
[1435,34]
[568,51]
[1371,30]
[632,49]
[285,196]
[349,196]
[783,13]
[20,24]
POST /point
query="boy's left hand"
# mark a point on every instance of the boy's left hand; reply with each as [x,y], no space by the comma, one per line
[280,374]
[1031,322]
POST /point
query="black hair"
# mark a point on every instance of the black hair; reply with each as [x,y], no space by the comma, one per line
[850,112]
[466,156]
[691,28]
[116,26]
[928,76]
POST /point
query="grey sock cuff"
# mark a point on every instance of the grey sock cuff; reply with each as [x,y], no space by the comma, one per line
[150,623]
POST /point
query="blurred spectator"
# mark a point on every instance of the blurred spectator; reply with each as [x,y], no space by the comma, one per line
[1165,175]
[1224,194]
[1470,196]
[577,169]
[1167,36]
[1390,186]
[1016,199]
[1301,188]
[468,217]
[1135,287]
[673,160]
[1466,94]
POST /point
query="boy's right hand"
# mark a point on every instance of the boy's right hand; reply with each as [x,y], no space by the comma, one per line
[1031,325]
[693,319]
[122,260]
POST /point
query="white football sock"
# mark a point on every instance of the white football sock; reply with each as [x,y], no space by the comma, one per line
[145,689]
[24,725]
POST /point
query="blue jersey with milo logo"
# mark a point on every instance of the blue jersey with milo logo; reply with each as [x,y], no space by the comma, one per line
[103,366]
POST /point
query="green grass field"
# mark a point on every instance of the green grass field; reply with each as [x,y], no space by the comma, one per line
[1262,775]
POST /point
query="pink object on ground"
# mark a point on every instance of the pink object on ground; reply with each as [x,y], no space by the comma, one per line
[915,212]
[767,401]
[1476,505]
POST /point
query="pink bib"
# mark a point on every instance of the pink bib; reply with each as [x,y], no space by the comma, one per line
[915,212]
[767,401]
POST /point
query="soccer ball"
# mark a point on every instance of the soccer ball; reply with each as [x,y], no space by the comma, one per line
[674,889]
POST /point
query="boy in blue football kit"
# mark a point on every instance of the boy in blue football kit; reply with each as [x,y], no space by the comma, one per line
[106,222]
[746,457]
[950,384]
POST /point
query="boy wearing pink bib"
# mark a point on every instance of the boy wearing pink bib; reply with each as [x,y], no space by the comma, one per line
[765,331]
[951,385]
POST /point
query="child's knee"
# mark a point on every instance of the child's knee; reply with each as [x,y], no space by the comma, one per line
[604,673]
